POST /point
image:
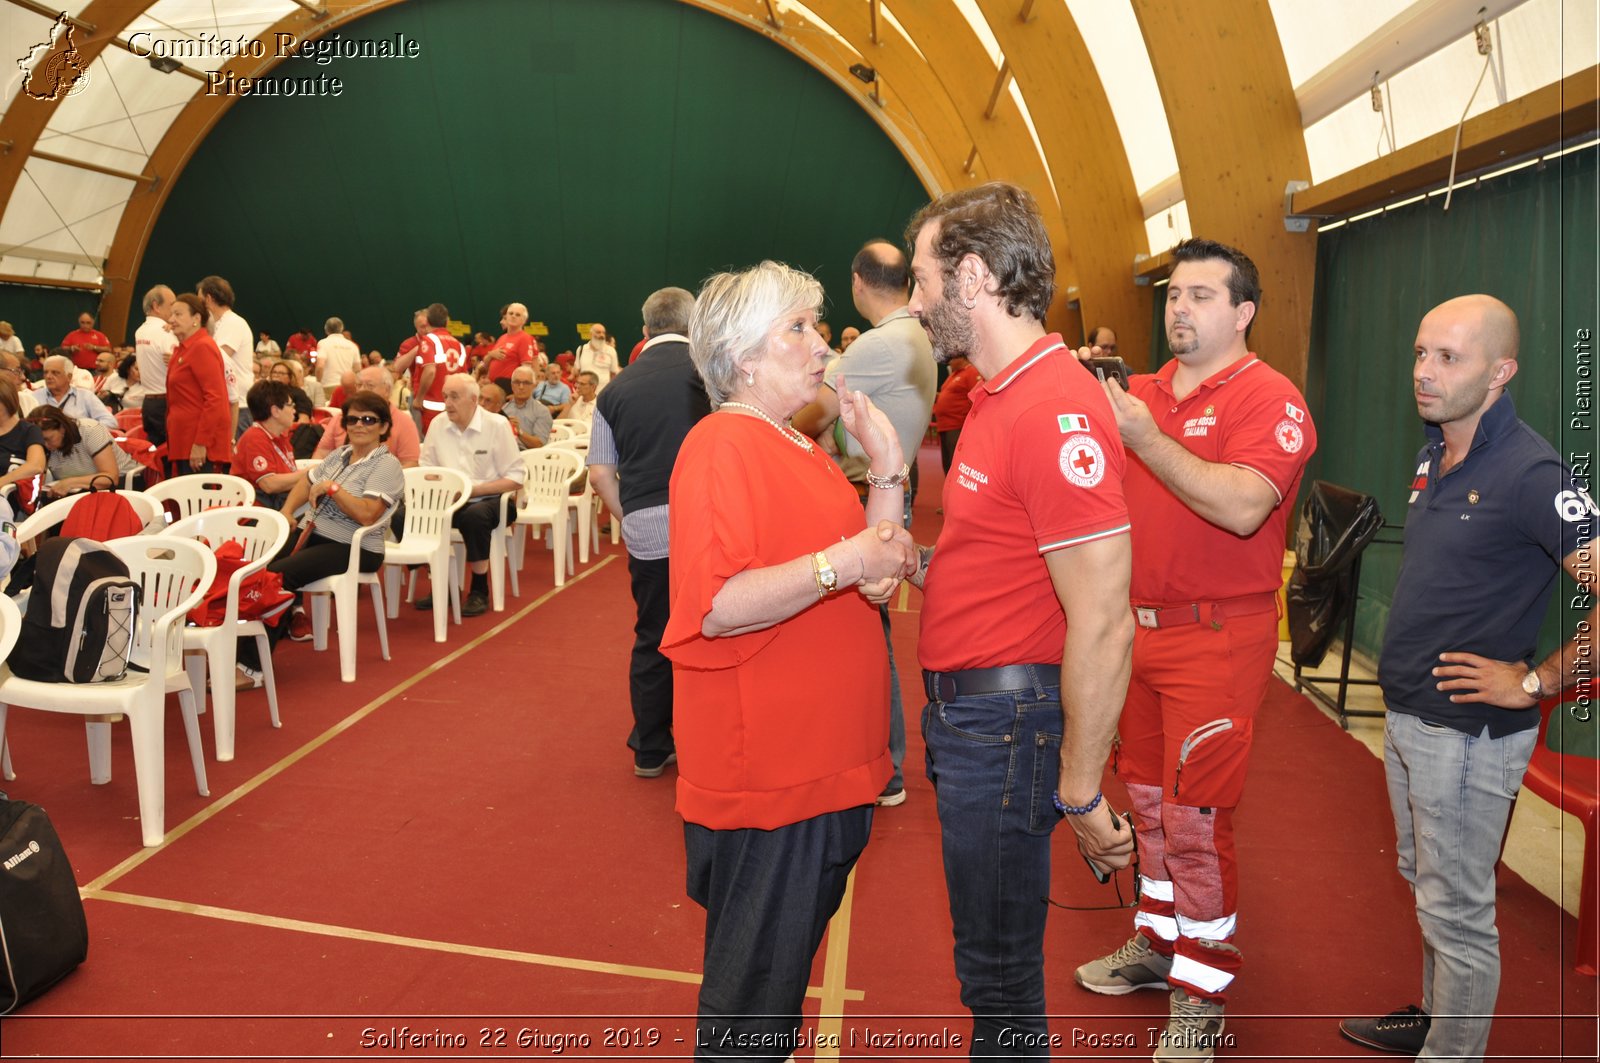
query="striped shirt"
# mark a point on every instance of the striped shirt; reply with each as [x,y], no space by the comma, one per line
[378,475]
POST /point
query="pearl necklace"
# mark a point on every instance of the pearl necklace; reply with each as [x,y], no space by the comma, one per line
[790,432]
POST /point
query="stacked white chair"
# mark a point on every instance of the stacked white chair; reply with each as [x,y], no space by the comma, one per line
[550,474]
[433,495]
[174,574]
[585,503]
[262,533]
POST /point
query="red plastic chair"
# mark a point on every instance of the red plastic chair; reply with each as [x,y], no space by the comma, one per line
[129,419]
[1572,784]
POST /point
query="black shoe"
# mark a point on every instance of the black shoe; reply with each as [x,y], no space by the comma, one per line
[477,604]
[651,765]
[423,604]
[1401,1031]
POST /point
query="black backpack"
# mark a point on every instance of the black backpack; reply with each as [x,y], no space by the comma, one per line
[43,934]
[79,624]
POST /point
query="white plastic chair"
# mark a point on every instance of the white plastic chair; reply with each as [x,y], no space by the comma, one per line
[433,495]
[549,475]
[302,464]
[346,590]
[174,575]
[560,432]
[576,425]
[196,492]
[10,628]
[262,533]
[585,504]
[53,515]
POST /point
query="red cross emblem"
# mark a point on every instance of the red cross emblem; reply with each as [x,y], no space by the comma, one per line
[1082,461]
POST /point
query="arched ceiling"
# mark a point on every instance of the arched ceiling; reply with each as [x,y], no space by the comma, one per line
[1091,104]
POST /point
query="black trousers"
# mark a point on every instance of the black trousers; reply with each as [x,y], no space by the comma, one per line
[317,559]
[768,896]
[650,674]
[476,522]
[947,446]
[154,413]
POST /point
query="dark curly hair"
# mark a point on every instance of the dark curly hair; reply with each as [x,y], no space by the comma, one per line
[1000,224]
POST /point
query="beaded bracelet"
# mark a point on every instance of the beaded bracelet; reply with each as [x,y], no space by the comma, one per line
[887,483]
[1075,810]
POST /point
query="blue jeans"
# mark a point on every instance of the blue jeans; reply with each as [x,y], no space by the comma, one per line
[1451,794]
[994,762]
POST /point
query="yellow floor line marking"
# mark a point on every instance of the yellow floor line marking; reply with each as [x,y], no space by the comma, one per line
[244,789]
[830,1013]
[538,959]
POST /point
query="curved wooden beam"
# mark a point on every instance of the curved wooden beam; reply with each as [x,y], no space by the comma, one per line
[25,120]
[961,63]
[1236,130]
[1099,202]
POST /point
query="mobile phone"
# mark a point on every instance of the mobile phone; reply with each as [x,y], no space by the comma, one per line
[1107,368]
[1103,875]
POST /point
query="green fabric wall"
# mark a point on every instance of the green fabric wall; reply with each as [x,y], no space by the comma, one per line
[571,156]
[1528,238]
[45,315]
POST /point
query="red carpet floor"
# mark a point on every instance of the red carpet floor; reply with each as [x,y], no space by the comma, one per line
[455,846]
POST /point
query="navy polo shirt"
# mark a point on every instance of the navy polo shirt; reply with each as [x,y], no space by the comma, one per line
[1483,548]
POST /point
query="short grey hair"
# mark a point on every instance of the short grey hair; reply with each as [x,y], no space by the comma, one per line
[59,361]
[462,380]
[733,314]
[332,325]
[155,297]
[668,310]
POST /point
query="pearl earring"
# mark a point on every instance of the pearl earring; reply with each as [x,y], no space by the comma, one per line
[750,380]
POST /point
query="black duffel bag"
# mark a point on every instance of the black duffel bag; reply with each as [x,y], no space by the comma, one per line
[43,934]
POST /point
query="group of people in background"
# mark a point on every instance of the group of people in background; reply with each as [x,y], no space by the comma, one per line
[1106,575]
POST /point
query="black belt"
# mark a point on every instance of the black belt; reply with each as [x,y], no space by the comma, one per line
[975,682]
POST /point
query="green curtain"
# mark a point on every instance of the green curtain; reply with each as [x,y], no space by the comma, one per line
[1528,238]
[575,157]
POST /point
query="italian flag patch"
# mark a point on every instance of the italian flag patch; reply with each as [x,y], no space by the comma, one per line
[1073,422]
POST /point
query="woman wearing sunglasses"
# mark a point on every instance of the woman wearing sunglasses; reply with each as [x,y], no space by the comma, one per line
[355,487]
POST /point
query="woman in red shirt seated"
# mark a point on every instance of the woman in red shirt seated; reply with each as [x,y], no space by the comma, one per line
[199,415]
[777,773]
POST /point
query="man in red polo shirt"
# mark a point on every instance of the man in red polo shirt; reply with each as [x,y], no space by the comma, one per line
[86,342]
[514,347]
[1218,441]
[1025,626]
[406,361]
[439,355]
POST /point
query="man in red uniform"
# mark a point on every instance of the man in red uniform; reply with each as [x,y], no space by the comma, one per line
[85,342]
[438,355]
[1025,624]
[1218,441]
[514,347]
[406,360]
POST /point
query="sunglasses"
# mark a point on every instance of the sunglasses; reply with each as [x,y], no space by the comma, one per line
[367,419]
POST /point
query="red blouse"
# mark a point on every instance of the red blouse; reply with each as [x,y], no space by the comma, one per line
[198,410]
[774,726]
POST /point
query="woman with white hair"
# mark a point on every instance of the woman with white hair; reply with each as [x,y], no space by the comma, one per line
[778,772]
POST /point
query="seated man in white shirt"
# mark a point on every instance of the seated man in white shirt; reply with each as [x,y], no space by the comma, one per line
[59,391]
[481,445]
[581,407]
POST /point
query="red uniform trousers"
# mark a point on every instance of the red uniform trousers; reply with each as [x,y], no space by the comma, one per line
[1186,732]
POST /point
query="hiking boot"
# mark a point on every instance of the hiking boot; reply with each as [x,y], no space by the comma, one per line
[1136,965]
[1401,1031]
[1194,1029]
